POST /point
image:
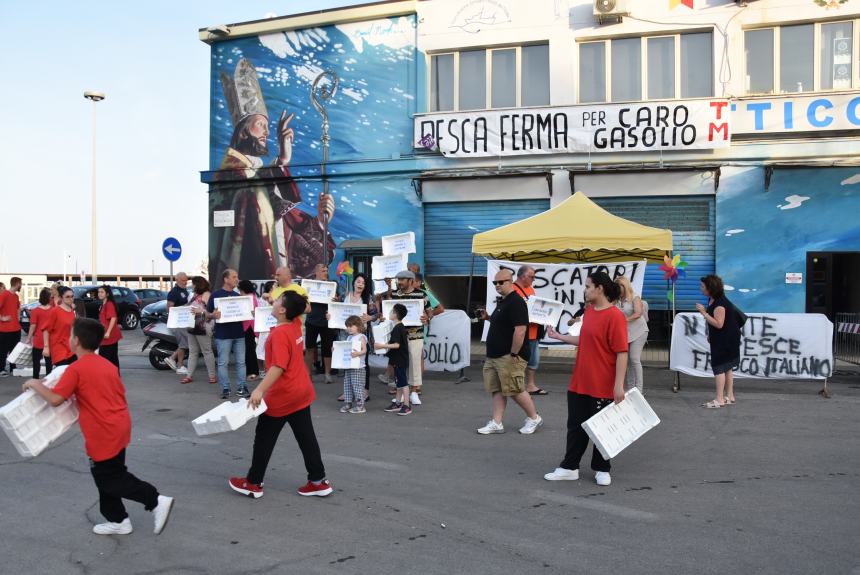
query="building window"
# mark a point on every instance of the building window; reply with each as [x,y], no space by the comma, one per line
[647,68]
[490,78]
[800,58]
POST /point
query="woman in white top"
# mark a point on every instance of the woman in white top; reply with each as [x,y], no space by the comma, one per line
[635,310]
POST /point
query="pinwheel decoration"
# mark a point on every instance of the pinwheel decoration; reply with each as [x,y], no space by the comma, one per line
[673,268]
[344,273]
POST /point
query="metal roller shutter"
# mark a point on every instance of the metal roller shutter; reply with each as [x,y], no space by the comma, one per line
[449,227]
[692,221]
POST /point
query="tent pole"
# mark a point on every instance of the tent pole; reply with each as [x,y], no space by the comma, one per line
[676,385]
[462,376]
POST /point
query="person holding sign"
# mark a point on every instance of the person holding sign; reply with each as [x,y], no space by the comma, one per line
[353,379]
[229,336]
[724,335]
[406,290]
[178,296]
[109,347]
[316,327]
[252,366]
[288,393]
[598,374]
[507,356]
[200,336]
[398,359]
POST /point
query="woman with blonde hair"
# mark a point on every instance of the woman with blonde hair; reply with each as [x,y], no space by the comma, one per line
[636,312]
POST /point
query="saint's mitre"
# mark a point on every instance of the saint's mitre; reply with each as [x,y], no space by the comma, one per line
[242,92]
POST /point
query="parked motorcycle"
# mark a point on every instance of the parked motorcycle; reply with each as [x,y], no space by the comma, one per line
[164,341]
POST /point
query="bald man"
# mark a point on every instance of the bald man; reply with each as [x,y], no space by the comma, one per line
[178,296]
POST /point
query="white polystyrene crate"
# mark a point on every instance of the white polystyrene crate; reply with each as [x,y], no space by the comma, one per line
[31,424]
[228,416]
[616,426]
[22,354]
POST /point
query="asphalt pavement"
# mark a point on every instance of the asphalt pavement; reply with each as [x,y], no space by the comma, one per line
[769,485]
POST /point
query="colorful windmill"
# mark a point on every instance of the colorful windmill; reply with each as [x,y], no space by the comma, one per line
[344,273]
[673,268]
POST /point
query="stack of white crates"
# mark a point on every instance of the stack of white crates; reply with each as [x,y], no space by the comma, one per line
[227,416]
[618,425]
[31,424]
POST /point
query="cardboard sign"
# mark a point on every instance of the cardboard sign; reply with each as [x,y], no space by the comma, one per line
[414,310]
[264,321]
[341,355]
[544,311]
[319,291]
[179,317]
[398,244]
[388,266]
[339,312]
[235,308]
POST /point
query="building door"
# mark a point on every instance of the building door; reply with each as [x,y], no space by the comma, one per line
[832,280]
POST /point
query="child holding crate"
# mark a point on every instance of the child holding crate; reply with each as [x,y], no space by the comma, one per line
[106,427]
[353,379]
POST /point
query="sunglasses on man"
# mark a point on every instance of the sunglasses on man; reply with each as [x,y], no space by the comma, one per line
[500,282]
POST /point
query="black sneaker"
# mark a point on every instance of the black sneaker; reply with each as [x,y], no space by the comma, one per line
[243,392]
[404,410]
[225,394]
[393,406]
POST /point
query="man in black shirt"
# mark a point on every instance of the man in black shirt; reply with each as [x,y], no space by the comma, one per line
[507,356]
[178,296]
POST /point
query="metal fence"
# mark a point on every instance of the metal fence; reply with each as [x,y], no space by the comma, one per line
[846,344]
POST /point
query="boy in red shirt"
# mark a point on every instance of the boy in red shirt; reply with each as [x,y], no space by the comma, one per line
[106,427]
[10,328]
[288,392]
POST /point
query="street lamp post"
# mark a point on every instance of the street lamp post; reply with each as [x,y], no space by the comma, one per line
[94,97]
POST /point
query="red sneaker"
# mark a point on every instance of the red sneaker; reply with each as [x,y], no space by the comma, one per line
[241,485]
[310,488]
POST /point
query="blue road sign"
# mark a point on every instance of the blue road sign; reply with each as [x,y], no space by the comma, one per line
[171,249]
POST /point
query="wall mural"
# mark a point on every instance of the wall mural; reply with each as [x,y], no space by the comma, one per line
[266,143]
[762,235]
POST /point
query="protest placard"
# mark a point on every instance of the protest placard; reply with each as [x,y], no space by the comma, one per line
[387,266]
[319,291]
[339,312]
[398,244]
[544,311]
[180,317]
[414,310]
[341,355]
[381,331]
[263,319]
[234,308]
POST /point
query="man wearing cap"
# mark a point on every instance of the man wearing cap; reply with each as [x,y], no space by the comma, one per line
[406,290]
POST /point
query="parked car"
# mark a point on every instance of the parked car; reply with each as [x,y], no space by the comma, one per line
[24,315]
[154,313]
[128,304]
[149,295]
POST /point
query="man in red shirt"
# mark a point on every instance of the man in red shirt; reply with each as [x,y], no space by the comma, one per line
[106,427]
[10,327]
[288,392]
[523,286]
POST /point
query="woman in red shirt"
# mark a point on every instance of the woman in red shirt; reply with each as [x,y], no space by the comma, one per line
[288,392]
[58,329]
[36,334]
[109,348]
[598,375]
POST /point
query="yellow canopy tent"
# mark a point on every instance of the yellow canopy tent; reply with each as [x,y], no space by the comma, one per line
[575,230]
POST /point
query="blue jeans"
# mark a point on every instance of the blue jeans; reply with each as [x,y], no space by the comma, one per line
[224,347]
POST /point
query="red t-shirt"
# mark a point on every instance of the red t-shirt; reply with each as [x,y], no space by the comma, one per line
[107,312]
[293,390]
[104,418]
[59,327]
[39,319]
[526,293]
[9,305]
[603,336]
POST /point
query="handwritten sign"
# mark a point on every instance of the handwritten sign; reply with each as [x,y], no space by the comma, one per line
[261,346]
[381,333]
[398,244]
[339,312]
[773,345]
[341,355]
[387,266]
[263,319]
[319,291]
[544,311]
[379,286]
[414,310]
[447,346]
[179,317]
[235,308]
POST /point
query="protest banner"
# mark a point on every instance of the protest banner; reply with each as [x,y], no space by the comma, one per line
[264,321]
[773,345]
[319,291]
[341,355]
[235,308]
[387,266]
[447,346]
[414,310]
[398,244]
[180,317]
[339,312]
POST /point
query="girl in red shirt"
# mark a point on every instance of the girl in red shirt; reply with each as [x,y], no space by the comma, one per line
[109,348]
[288,392]
[58,329]
[598,375]
[36,334]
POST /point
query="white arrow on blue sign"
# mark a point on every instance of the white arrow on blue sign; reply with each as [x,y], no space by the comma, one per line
[171,249]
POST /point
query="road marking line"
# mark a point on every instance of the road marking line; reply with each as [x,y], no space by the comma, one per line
[596,505]
[364,462]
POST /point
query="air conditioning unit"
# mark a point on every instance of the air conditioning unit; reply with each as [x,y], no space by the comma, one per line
[610,11]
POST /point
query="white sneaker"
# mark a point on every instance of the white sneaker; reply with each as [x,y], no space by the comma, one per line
[384,378]
[182,370]
[109,528]
[562,474]
[602,478]
[491,427]
[328,378]
[414,398]
[531,425]
[162,512]
[171,363]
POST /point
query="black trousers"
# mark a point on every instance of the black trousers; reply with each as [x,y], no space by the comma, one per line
[579,409]
[252,365]
[110,353]
[115,483]
[68,361]
[37,363]
[266,435]
[8,341]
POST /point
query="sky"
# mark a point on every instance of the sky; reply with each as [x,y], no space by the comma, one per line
[152,129]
